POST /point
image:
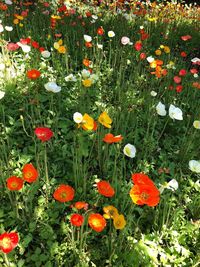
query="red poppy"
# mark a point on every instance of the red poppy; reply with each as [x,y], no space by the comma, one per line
[14,183]
[64,193]
[182,72]
[8,241]
[138,46]
[25,41]
[105,189]
[35,44]
[76,219]
[81,205]
[88,44]
[12,46]
[142,56]
[43,133]
[183,54]
[100,31]
[145,194]
[30,174]
[110,138]
[33,74]
[179,88]
[141,179]
[186,37]
[177,79]
[97,222]
[193,71]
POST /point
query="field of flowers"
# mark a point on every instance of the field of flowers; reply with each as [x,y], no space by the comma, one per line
[99,134]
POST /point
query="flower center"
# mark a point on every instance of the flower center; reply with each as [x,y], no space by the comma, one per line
[145,195]
[5,243]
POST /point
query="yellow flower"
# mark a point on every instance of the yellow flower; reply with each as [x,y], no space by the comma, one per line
[87,82]
[119,222]
[158,52]
[162,46]
[105,120]
[56,45]
[87,122]
[196,124]
[110,212]
[62,49]
[167,49]
[60,42]
[15,21]
[55,17]
[19,17]
[21,25]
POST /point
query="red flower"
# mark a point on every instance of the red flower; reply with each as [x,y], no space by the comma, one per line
[100,31]
[64,193]
[141,179]
[186,37]
[97,222]
[35,44]
[33,74]
[8,241]
[105,189]
[182,72]
[30,174]
[183,54]
[142,56]
[138,46]
[193,71]
[14,183]
[12,46]
[77,219]
[43,133]
[110,138]
[177,79]
[81,205]
[179,88]
[88,44]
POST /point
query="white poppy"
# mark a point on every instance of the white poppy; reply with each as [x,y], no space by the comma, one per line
[1,28]
[25,48]
[45,54]
[175,113]
[160,108]
[150,59]
[8,2]
[172,185]
[196,124]
[87,38]
[125,40]
[70,78]
[8,28]
[100,46]
[195,59]
[2,94]
[111,34]
[153,93]
[85,73]
[78,117]
[194,166]
[52,87]
[129,150]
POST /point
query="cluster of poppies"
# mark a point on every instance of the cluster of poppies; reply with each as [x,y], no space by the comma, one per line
[29,174]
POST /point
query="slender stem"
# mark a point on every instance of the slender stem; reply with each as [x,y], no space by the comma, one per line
[7,262]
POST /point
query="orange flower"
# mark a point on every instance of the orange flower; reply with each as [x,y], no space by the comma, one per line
[145,194]
[77,220]
[8,241]
[33,74]
[97,222]
[81,205]
[105,189]
[86,62]
[14,183]
[141,179]
[110,138]
[30,174]
[64,193]
[88,44]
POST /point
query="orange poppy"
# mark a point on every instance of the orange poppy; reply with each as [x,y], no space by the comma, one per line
[86,62]
[64,193]
[77,220]
[97,222]
[88,44]
[14,183]
[33,74]
[141,179]
[81,205]
[105,189]
[110,138]
[30,174]
[145,194]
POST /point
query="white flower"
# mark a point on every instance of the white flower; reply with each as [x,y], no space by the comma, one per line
[172,185]
[153,93]
[194,166]
[129,150]
[87,38]
[125,40]
[8,28]
[2,94]
[100,46]
[94,17]
[160,108]
[195,59]
[1,28]
[85,73]
[111,34]
[46,54]
[196,124]
[25,48]
[2,66]
[78,117]
[52,87]
[8,2]
[175,113]
[70,78]
[94,78]
[150,59]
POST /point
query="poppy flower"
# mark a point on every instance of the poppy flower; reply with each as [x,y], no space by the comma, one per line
[77,220]
[182,72]
[179,88]
[145,194]
[110,212]
[138,46]
[14,183]
[8,241]
[186,37]
[183,54]
[86,62]
[105,189]
[81,205]
[97,222]
[129,150]
[177,79]
[87,122]
[105,120]
[175,113]
[30,174]
[87,82]
[119,222]
[64,193]
[33,74]
[141,179]
[43,133]
[110,138]
[100,31]
[142,56]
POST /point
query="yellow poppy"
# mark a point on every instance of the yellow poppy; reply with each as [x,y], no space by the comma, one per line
[105,120]
[110,212]
[87,82]
[119,222]
[87,122]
